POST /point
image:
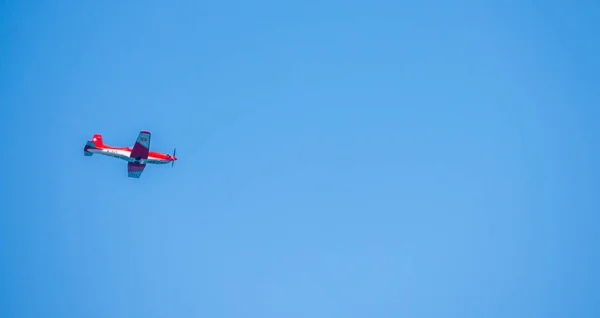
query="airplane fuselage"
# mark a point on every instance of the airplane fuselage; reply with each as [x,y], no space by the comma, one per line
[125,154]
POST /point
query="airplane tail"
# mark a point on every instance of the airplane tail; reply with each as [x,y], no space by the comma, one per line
[97,140]
[93,144]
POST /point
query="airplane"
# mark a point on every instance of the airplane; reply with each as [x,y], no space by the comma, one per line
[136,157]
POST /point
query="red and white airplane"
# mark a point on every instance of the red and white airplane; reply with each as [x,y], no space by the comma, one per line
[136,157]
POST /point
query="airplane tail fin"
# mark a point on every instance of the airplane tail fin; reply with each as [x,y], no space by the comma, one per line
[92,144]
[97,140]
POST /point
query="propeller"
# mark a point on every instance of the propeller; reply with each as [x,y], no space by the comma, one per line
[173,161]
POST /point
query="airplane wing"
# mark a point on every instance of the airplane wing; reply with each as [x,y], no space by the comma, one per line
[142,146]
[134,170]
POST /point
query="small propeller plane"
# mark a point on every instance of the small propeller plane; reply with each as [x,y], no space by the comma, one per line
[136,157]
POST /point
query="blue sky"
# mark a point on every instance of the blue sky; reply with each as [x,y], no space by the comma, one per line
[337,159]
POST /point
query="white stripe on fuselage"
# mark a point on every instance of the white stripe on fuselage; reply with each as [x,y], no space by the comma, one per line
[124,154]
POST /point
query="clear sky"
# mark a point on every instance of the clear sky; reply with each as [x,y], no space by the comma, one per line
[336,159]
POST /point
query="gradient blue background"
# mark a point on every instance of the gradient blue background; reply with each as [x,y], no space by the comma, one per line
[337,159]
